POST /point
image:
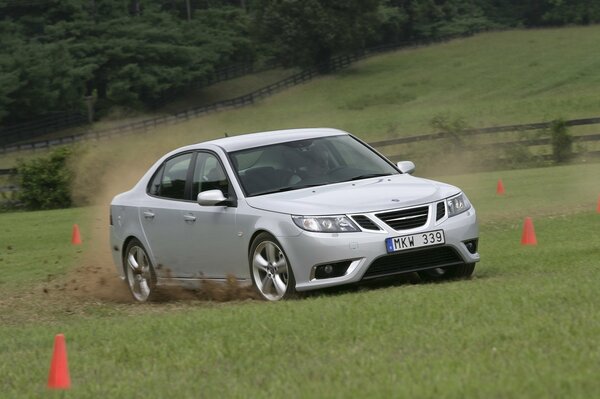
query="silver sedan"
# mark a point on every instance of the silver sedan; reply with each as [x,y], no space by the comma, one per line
[288,211]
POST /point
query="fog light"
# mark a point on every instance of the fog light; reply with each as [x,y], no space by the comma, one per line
[331,270]
[471,246]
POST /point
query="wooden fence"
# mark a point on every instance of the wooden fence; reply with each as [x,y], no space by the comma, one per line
[384,145]
[41,126]
[490,130]
[495,147]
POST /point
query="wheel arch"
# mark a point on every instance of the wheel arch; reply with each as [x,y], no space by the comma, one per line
[253,237]
[124,248]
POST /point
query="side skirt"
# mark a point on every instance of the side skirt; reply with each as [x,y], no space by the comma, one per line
[196,283]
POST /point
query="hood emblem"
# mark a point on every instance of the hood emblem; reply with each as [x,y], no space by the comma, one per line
[395,200]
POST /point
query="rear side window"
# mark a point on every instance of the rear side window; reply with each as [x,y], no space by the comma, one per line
[154,188]
[169,180]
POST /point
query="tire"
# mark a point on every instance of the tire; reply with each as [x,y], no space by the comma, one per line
[139,272]
[463,271]
[272,275]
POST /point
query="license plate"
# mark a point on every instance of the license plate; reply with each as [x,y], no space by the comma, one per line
[426,239]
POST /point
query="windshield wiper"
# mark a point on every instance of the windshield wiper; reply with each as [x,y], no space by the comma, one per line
[290,188]
[366,176]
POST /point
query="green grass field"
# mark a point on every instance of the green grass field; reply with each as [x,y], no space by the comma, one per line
[525,326]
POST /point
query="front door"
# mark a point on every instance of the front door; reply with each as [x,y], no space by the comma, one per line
[161,215]
[210,231]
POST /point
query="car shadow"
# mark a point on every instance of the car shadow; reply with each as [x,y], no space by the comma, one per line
[368,285]
[381,283]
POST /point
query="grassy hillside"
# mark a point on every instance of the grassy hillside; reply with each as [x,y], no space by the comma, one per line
[493,78]
[525,326]
[489,79]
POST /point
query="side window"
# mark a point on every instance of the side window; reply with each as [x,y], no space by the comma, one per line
[209,175]
[172,181]
[154,187]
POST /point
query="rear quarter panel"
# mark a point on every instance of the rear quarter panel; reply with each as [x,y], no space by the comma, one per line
[126,224]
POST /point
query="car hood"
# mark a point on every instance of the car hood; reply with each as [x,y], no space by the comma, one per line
[361,196]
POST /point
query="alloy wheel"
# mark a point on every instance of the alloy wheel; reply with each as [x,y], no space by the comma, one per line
[139,275]
[270,270]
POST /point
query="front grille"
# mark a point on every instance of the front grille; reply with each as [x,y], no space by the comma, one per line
[406,218]
[440,210]
[411,261]
[364,222]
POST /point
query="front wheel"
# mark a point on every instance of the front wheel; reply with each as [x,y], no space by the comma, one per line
[271,273]
[139,272]
[463,271]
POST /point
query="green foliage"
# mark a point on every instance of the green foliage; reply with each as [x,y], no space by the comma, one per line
[35,77]
[562,12]
[541,12]
[562,141]
[434,19]
[134,59]
[392,23]
[55,53]
[45,182]
[310,32]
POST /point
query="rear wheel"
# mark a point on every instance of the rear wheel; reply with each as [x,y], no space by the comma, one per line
[271,273]
[139,272]
[463,271]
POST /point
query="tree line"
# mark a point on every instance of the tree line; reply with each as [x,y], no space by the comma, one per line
[58,55]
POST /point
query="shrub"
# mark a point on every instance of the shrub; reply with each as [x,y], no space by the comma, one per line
[453,129]
[562,141]
[45,182]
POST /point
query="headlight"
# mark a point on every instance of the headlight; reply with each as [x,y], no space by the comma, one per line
[458,205]
[325,224]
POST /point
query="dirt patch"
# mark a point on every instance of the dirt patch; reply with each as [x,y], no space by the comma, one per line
[230,290]
[96,282]
[101,283]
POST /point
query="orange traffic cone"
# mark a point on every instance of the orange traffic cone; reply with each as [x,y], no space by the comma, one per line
[76,237]
[500,187]
[528,237]
[58,378]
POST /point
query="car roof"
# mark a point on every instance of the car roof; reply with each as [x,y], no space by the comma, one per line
[252,140]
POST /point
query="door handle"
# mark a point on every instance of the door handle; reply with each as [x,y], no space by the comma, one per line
[189,218]
[149,214]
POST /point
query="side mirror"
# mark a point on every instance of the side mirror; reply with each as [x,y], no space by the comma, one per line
[212,198]
[406,167]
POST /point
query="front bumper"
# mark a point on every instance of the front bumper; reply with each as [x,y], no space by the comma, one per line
[309,250]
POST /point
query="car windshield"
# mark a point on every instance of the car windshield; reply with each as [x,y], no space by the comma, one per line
[307,163]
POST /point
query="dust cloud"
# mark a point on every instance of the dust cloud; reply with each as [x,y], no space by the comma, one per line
[101,172]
